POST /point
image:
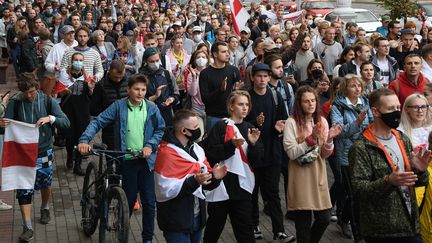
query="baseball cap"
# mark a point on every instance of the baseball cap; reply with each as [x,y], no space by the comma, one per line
[178,23]
[245,29]
[260,67]
[66,29]
[197,29]
[385,19]
[268,45]
[407,32]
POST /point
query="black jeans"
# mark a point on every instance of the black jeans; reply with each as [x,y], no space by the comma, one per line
[413,239]
[306,232]
[267,181]
[337,192]
[349,214]
[241,221]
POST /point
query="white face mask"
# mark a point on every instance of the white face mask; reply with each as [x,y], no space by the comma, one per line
[204,19]
[289,26]
[278,46]
[165,27]
[197,38]
[154,66]
[310,22]
[201,61]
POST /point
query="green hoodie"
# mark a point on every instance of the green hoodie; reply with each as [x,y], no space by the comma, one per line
[39,108]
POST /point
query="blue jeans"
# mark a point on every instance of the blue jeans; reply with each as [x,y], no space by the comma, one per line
[211,121]
[185,237]
[137,177]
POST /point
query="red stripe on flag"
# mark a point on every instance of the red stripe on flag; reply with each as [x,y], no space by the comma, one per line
[17,154]
[237,7]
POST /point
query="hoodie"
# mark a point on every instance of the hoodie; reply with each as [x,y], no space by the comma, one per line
[403,87]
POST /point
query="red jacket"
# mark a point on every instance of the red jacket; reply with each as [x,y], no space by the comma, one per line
[404,87]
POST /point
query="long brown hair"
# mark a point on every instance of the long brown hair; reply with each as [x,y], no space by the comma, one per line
[299,115]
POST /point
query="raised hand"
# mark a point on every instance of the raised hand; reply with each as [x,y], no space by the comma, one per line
[203,178]
[159,91]
[333,132]
[421,160]
[399,178]
[219,171]
[224,84]
[253,135]
[260,119]
[361,117]
[279,126]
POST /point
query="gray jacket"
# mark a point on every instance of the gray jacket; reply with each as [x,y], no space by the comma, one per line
[393,67]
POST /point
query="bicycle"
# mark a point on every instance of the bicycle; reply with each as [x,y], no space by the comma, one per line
[103,197]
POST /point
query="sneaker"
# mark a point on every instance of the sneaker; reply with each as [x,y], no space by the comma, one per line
[45,216]
[26,235]
[282,237]
[4,206]
[345,229]
[257,233]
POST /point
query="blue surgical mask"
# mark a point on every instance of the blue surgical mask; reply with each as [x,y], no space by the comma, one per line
[77,65]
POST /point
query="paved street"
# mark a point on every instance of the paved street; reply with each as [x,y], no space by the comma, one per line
[66,211]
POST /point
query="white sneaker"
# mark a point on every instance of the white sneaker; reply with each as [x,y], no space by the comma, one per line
[4,206]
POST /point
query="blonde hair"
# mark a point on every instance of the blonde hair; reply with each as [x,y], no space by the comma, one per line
[233,97]
[343,86]
[406,119]
[124,40]
[273,28]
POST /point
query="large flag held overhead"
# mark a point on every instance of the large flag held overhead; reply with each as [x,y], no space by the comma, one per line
[20,151]
[239,15]
[295,17]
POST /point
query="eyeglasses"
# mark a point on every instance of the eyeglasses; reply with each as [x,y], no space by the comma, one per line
[418,108]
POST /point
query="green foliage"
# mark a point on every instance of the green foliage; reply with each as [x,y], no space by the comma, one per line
[400,8]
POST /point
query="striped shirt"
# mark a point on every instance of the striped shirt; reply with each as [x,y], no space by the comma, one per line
[92,61]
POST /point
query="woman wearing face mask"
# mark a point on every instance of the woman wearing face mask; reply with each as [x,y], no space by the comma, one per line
[75,104]
[124,53]
[346,56]
[198,62]
[315,73]
[235,143]
[350,109]
[179,60]
[367,71]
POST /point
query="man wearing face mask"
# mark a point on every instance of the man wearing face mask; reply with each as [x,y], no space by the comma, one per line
[384,171]
[198,37]
[161,89]
[181,174]
[203,22]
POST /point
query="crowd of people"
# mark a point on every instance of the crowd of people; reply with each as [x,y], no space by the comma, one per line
[222,117]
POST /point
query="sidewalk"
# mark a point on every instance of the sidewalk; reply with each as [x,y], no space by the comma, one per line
[65,225]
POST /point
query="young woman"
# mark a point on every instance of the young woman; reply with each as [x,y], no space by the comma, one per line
[306,130]
[315,72]
[27,59]
[55,27]
[234,142]
[124,53]
[235,58]
[346,56]
[367,71]
[75,104]
[199,61]
[89,21]
[350,109]
[179,60]
[106,49]
[12,40]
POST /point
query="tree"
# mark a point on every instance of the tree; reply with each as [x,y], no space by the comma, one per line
[400,8]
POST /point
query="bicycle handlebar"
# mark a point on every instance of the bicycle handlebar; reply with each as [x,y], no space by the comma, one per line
[101,148]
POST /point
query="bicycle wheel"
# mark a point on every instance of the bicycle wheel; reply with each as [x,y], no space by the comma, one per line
[89,200]
[117,217]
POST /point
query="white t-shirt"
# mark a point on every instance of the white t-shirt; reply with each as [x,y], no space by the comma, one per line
[385,71]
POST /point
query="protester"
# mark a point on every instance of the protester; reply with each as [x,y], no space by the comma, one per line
[138,117]
[33,106]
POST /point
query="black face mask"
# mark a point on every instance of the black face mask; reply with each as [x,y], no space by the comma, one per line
[391,119]
[317,74]
[195,134]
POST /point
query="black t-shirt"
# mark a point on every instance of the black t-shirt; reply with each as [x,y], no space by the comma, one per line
[210,82]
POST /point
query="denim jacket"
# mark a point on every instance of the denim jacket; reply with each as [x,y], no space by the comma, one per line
[344,114]
[117,114]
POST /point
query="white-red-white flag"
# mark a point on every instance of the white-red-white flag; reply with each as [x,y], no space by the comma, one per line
[20,151]
[295,17]
[239,15]
[173,166]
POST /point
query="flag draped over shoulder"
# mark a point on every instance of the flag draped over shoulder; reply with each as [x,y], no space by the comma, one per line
[295,17]
[20,151]
[239,15]
[237,164]
[173,166]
